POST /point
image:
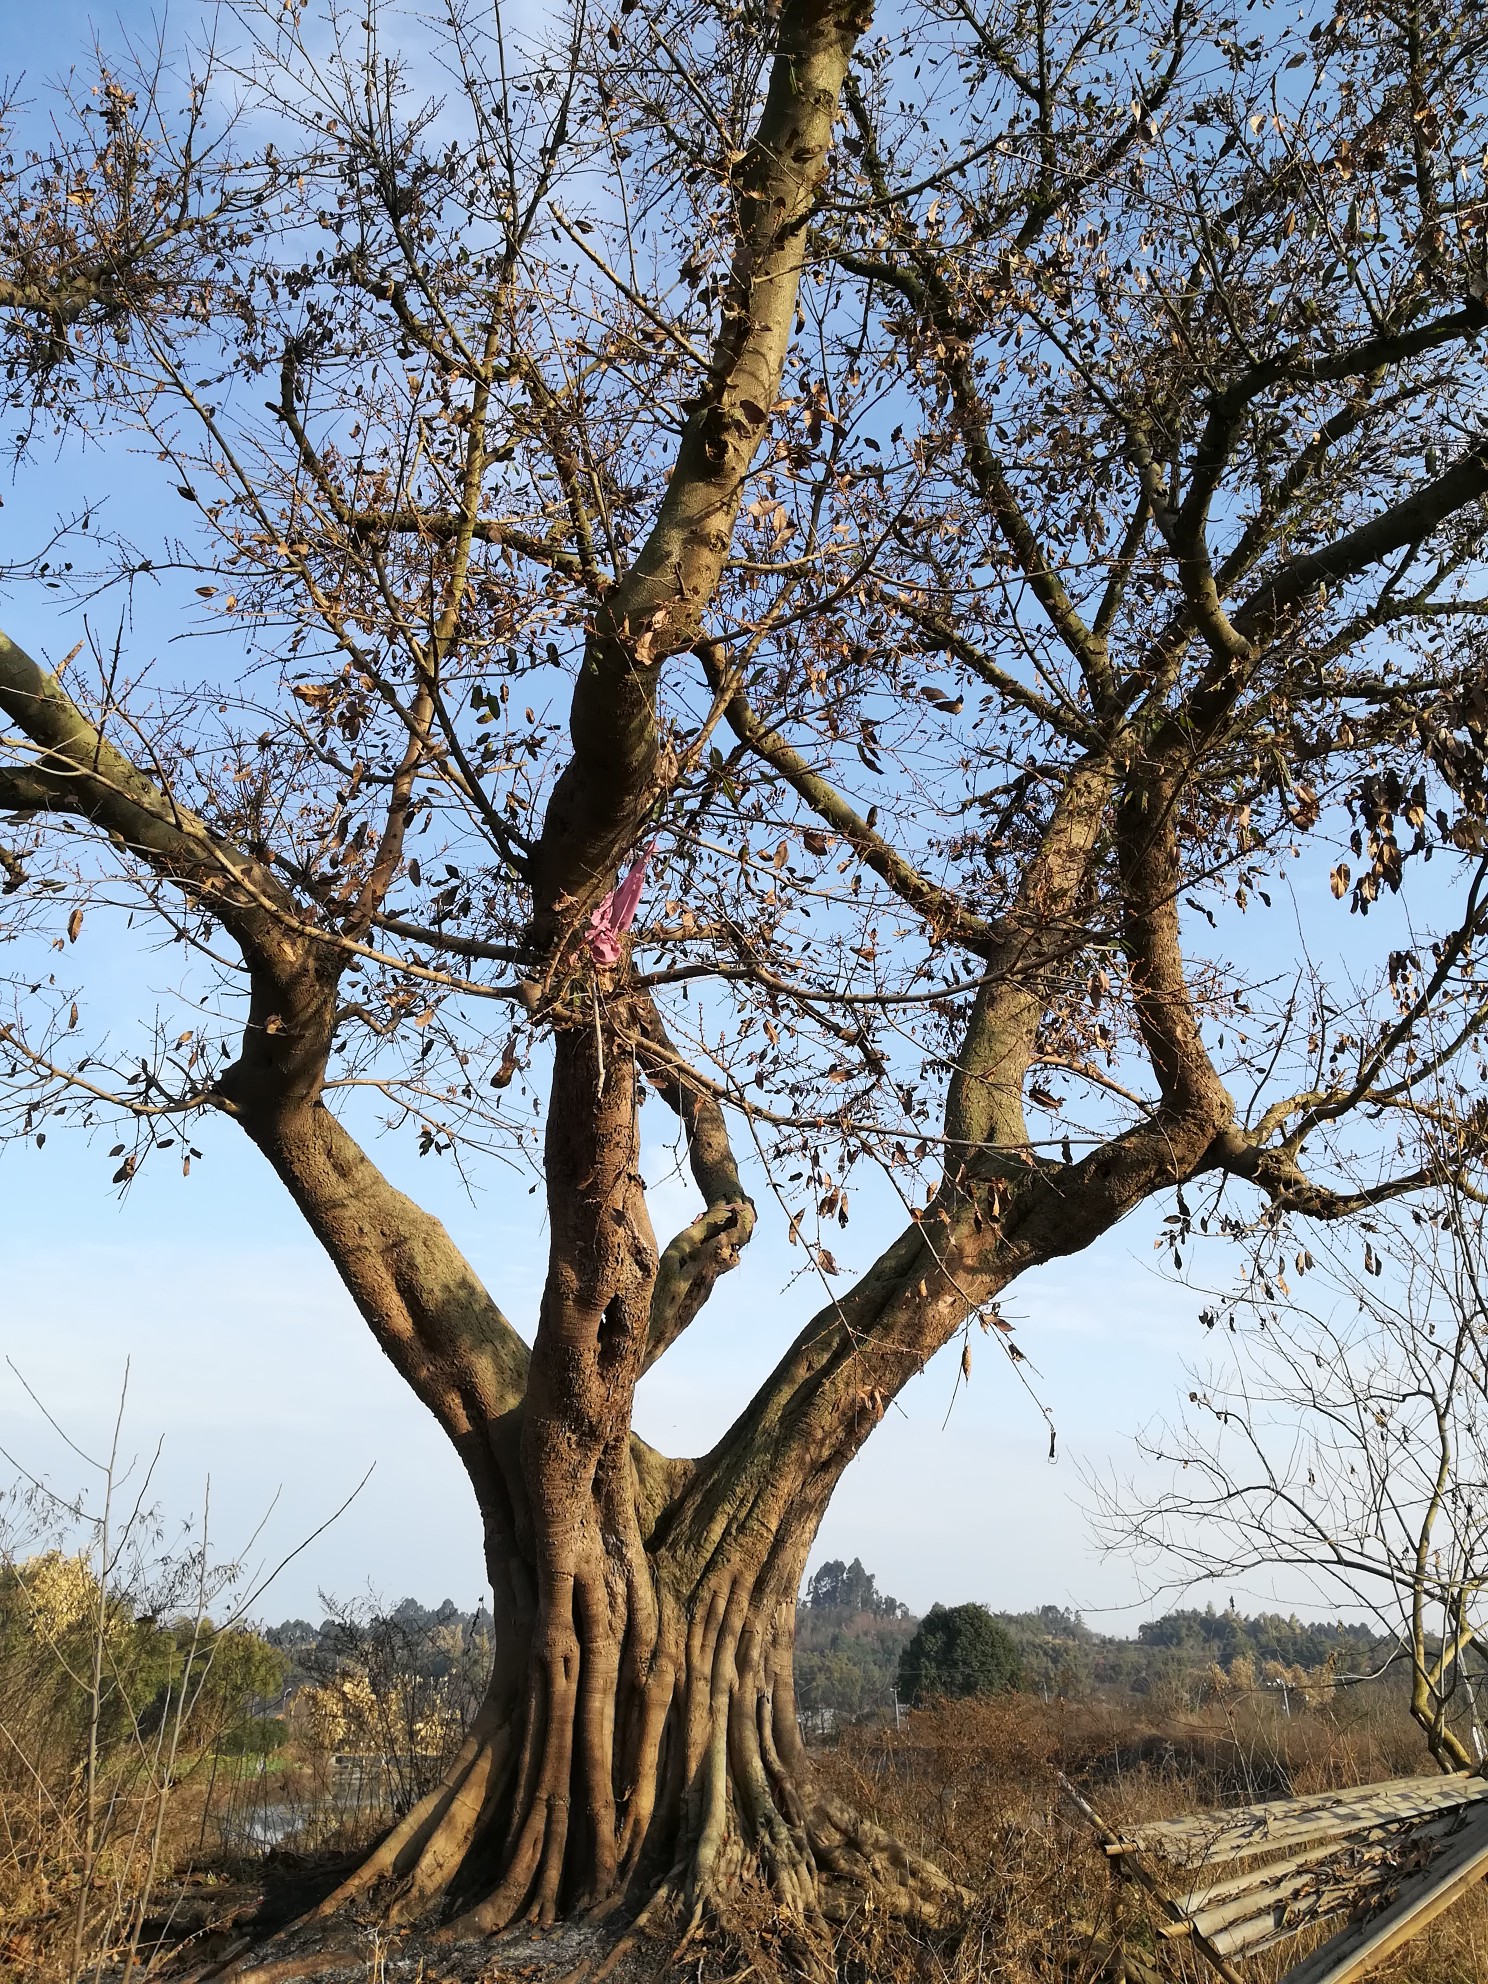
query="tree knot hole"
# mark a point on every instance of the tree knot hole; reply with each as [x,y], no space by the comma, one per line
[614,1331]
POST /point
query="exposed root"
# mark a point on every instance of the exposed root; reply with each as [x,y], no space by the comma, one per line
[427,1846]
[643,1756]
[287,1969]
[753,1864]
[217,1966]
[663,1899]
[290,1968]
[875,1864]
[444,1848]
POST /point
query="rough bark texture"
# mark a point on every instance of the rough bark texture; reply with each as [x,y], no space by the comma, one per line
[646,1752]
[639,1739]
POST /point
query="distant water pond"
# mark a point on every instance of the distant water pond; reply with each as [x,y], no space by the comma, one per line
[269,1825]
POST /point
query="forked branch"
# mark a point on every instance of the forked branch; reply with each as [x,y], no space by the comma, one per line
[693,1261]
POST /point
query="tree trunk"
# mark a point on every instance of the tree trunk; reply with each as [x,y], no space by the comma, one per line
[639,1746]
[638,1742]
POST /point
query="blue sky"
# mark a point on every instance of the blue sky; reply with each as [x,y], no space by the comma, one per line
[248,1360]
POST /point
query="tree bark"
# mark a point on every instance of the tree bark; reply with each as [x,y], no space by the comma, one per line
[638,1748]
[638,1741]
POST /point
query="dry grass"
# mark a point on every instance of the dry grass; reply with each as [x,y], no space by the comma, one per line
[974,1786]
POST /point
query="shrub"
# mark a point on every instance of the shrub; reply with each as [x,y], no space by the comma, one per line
[958,1650]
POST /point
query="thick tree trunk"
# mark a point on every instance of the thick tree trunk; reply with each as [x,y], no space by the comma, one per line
[638,1744]
[633,1754]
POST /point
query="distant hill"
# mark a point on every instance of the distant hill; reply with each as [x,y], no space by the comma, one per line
[1062,1655]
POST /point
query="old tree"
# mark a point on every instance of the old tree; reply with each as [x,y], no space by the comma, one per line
[985,498]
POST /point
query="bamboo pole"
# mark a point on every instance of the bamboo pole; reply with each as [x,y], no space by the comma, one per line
[1423,1897]
[1132,1867]
[1235,1834]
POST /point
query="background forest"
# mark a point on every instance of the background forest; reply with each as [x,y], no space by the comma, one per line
[851,1639]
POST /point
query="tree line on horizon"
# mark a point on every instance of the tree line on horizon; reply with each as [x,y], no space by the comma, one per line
[858,1648]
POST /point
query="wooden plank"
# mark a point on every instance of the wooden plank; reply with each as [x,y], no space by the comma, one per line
[1238,1832]
[1422,1897]
[1131,1867]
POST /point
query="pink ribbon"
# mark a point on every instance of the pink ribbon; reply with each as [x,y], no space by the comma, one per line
[616,913]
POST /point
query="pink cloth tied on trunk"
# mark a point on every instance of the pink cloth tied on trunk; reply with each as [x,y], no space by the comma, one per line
[616,913]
